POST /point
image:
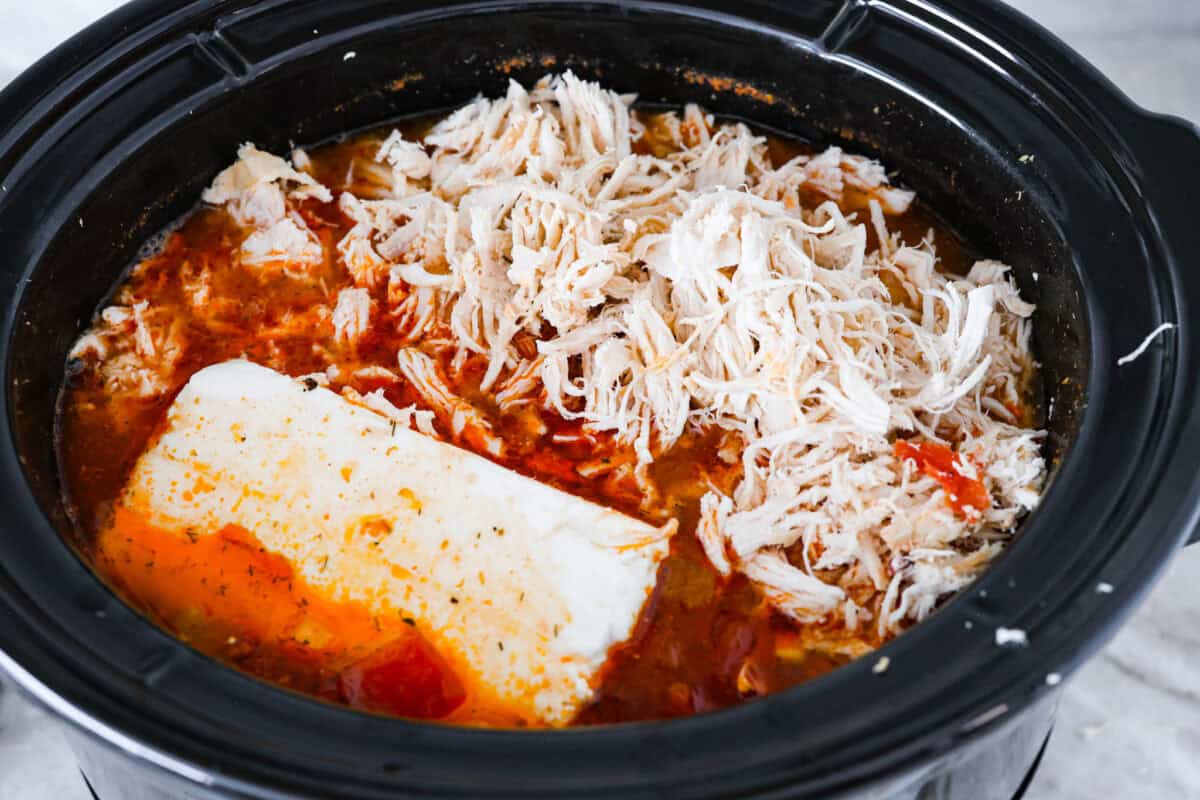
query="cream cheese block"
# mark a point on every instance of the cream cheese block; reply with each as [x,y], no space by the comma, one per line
[527,585]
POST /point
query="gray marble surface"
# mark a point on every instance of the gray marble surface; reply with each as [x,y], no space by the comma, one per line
[1129,723]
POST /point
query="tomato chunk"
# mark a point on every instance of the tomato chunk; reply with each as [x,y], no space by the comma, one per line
[405,677]
[967,496]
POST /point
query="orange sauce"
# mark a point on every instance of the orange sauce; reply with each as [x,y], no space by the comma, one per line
[966,495]
[226,595]
[702,642]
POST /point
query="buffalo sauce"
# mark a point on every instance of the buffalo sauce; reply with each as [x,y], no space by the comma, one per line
[965,492]
[226,595]
[703,641]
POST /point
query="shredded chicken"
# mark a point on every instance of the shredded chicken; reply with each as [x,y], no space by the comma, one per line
[287,242]
[464,419]
[253,187]
[136,348]
[255,190]
[409,416]
[408,160]
[515,390]
[352,315]
[699,289]
[692,287]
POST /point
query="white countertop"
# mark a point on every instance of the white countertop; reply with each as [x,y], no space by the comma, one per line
[1129,724]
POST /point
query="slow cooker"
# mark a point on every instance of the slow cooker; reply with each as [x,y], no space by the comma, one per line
[1004,132]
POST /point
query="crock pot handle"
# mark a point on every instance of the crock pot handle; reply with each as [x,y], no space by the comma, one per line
[1169,152]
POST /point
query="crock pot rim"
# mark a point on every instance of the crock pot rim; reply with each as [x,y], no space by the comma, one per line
[1176,357]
